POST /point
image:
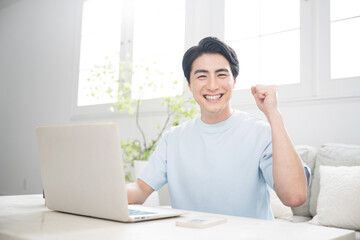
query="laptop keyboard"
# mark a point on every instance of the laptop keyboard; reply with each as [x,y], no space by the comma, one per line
[137,212]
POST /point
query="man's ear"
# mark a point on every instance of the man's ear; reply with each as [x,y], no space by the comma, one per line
[234,83]
[189,87]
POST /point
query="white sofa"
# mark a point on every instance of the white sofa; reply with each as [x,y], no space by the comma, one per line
[334,192]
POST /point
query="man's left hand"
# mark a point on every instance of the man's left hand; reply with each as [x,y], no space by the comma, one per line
[266,98]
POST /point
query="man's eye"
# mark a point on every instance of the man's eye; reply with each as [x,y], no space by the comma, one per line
[201,76]
[222,75]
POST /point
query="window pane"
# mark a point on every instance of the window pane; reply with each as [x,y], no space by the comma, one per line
[100,44]
[242,19]
[159,32]
[279,15]
[248,52]
[345,48]
[340,9]
[280,58]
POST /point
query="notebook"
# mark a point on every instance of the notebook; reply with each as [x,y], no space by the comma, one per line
[82,173]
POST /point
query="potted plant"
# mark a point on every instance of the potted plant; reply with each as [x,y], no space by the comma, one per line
[178,107]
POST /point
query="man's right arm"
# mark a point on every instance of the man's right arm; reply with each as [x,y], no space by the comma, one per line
[138,192]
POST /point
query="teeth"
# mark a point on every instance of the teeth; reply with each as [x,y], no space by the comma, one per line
[213,97]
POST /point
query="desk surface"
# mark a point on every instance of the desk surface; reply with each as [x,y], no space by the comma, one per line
[26,217]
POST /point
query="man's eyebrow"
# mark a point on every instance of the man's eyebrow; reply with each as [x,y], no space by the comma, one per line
[201,71]
[206,71]
[222,70]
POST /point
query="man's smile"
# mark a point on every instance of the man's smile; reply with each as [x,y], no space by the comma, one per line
[212,97]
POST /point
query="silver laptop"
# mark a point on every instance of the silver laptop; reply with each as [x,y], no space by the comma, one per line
[82,173]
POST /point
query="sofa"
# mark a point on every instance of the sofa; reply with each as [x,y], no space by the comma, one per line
[333,197]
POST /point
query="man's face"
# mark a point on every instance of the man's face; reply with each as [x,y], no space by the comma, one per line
[211,83]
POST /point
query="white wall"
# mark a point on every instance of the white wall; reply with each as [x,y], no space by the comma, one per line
[35,69]
[322,121]
[37,46]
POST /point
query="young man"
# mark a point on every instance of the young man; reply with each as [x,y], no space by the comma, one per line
[223,161]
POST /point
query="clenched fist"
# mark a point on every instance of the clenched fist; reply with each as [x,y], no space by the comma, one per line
[266,99]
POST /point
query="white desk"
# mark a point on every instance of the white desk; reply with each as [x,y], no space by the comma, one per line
[26,217]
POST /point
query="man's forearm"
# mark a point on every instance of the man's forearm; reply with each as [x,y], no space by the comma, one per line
[138,192]
[289,176]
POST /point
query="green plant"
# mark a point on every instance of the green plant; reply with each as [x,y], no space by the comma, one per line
[178,107]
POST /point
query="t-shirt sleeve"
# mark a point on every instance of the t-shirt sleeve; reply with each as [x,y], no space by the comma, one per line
[155,174]
[266,165]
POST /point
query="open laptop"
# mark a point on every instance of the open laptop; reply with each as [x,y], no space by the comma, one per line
[82,173]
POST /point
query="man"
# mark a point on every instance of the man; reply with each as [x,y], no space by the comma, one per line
[223,161]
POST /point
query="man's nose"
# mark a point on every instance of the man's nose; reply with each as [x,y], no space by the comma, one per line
[213,83]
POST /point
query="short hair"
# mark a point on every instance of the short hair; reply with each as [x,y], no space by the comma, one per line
[210,45]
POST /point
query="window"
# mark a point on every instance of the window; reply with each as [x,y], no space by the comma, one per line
[266,36]
[146,35]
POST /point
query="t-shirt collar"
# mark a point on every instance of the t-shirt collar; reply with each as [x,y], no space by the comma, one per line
[217,126]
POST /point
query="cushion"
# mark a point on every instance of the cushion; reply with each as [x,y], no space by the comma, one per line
[280,211]
[308,156]
[331,154]
[338,202]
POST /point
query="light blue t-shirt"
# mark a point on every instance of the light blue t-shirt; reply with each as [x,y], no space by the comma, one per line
[223,168]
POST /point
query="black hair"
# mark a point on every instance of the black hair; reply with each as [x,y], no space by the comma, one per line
[210,45]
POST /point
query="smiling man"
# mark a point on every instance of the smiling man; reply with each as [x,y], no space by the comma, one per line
[225,160]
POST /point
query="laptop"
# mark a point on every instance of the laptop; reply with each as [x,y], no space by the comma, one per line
[82,173]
